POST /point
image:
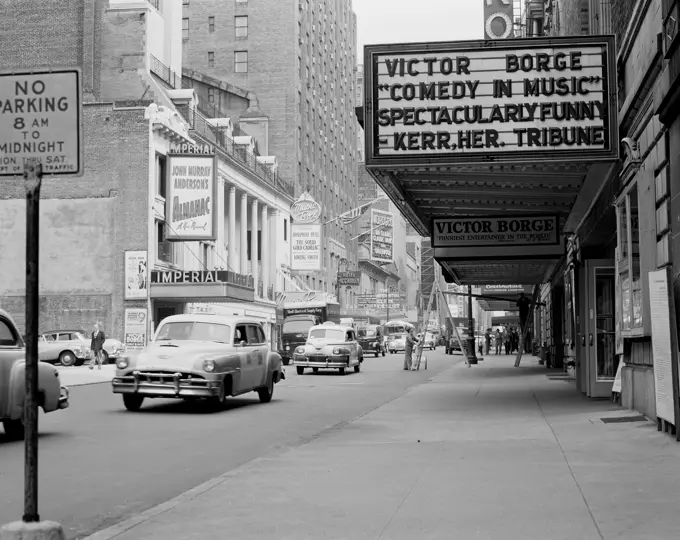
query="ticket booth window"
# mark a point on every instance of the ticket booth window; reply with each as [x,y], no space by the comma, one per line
[628,260]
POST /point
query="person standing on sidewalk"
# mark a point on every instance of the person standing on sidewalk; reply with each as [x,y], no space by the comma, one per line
[487,341]
[408,349]
[97,346]
[498,341]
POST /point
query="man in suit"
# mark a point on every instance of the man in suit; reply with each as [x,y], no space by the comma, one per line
[97,346]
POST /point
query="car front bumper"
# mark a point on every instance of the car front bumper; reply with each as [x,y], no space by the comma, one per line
[323,362]
[397,347]
[64,395]
[152,384]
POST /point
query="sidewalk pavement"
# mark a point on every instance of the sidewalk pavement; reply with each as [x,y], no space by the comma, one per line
[488,452]
[81,375]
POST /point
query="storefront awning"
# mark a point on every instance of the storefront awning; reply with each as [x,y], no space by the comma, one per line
[447,138]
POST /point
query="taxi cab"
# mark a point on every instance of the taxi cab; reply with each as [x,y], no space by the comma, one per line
[329,346]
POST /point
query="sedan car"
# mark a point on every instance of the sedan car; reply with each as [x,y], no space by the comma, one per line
[68,347]
[72,347]
[329,346]
[13,381]
[430,341]
[396,343]
[200,356]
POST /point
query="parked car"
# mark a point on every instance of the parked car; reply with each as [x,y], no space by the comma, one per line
[453,345]
[200,356]
[12,380]
[372,339]
[68,347]
[329,346]
[72,347]
[430,341]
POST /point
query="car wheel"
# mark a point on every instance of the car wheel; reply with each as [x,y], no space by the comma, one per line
[285,361]
[357,368]
[14,429]
[342,371]
[266,393]
[300,370]
[133,402]
[67,358]
[383,353]
[315,370]
[105,357]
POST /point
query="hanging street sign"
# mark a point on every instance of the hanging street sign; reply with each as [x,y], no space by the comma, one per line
[41,117]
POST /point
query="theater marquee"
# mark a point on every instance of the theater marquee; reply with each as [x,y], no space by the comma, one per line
[495,231]
[535,100]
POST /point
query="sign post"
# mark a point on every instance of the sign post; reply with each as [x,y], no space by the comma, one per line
[40,133]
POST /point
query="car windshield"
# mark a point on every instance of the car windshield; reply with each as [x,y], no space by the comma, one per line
[194,331]
[366,332]
[394,330]
[327,333]
[297,327]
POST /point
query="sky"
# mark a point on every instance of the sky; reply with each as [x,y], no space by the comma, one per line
[403,21]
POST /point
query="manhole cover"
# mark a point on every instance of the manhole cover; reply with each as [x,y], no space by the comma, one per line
[621,419]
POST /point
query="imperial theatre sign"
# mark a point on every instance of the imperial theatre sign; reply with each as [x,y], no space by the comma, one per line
[521,100]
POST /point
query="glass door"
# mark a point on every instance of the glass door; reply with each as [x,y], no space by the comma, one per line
[601,327]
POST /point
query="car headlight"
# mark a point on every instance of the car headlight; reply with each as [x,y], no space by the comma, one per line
[340,351]
[123,362]
[300,350]
[288,347]
[209,365]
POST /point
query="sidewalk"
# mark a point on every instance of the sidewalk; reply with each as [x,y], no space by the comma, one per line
[490,452]
[81,375]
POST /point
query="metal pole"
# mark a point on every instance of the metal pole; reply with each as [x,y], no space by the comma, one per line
[387,289]
[472,356]
[33,179]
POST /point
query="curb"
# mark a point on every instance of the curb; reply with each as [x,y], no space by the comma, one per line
[146,515]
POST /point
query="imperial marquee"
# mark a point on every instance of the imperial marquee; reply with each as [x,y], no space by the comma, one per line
[499,101]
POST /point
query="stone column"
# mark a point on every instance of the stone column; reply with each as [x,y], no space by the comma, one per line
[231,259]
[244,234]
[266,264]
[221,236]
[253,246]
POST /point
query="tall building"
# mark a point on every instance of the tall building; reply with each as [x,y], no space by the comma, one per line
[298,57]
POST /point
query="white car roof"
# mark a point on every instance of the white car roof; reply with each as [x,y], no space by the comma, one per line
[210,318]
[332,326]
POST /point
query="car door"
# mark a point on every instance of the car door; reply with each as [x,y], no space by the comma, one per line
[10,349]
[258,339]
[352,345]
[51,347]
[243,351]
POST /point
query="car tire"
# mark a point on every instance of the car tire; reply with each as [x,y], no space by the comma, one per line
[14,429]
[133,402]
[105,358]
[67,359]
[342,370]
[285,361]
[357,368]
[384,353]
[266,392]
[300,370]
[315,370]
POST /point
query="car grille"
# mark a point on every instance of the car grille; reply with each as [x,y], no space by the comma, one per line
[168,377]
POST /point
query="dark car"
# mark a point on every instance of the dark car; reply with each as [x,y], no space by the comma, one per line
[372,339]
[452,344]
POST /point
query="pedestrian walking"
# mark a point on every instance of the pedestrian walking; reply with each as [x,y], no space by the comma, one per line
[499,341]
[507,341]
[487,340]
[411,340]
[97,346]
[514,340]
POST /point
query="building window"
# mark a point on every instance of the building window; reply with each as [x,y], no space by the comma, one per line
[241,25]
[161,179]
[211,95]
[164,249]
[211,24]
[241,61]
[628,259]
[211,59]
[285,230]
[185,28]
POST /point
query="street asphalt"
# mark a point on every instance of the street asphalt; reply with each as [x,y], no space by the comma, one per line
[100,464]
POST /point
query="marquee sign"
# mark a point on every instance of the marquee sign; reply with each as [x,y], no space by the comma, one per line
[495,231]
[499,101]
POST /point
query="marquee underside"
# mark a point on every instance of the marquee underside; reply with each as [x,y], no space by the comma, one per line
[566,190]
